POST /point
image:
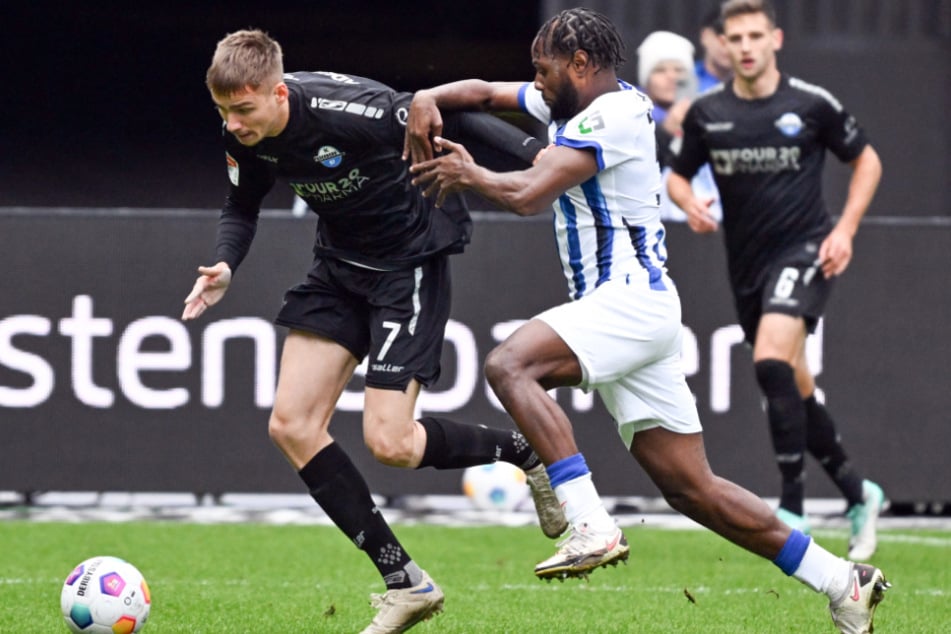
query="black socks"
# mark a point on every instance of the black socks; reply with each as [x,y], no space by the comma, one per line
[787,424]
[825,445]
[797,425]
[451,445]
[343,494]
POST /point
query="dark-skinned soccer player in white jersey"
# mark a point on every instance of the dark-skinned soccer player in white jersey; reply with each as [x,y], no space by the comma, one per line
[621,333]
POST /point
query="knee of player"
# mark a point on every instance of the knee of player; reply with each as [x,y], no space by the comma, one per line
[501,367]
[389,448]
[678,500]
[281,430]
[288,431]
[684,500]
[775,376]
[687,484]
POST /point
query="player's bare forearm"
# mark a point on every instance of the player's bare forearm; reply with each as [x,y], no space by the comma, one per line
[473,94]
[525,192]
[679,190]
[698,211]
[457,171]
[866,175]
[511,191]
[835,252]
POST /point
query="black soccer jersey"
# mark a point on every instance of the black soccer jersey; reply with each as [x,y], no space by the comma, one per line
[767,157]
[341,153]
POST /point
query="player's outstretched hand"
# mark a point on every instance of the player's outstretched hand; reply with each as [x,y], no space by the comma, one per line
[423,122]
[444,175]
[209,288]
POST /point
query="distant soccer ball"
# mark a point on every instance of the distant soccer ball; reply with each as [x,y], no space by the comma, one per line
[499,486]
[105,595]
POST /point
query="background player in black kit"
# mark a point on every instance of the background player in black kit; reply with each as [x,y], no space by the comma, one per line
[765,134]
[379,287]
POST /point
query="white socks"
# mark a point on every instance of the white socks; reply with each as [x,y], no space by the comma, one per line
[824,572]
[583,505]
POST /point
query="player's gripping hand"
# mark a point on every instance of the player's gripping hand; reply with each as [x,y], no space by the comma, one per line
[423,122]
[208,290]
[444,175]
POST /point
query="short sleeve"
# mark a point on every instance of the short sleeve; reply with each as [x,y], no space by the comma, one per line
[530,100]
[615,126]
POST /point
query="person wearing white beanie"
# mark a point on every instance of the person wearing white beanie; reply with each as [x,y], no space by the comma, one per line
[670,56]
[665,72]
[662,46]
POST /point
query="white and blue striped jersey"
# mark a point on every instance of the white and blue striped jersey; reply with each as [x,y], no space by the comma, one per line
[609,226]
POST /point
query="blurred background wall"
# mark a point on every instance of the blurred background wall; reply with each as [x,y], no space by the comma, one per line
[887,61]
[104,112]
[104,103]
[102,387]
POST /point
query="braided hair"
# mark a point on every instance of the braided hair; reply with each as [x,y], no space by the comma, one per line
[586,30]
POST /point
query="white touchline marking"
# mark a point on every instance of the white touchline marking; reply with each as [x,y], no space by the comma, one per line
[921,540]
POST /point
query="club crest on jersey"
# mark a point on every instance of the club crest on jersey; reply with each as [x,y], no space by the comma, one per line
[789,124]
[232,169]
[329,156]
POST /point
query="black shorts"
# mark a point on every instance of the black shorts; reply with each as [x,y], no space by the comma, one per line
[398,318]
[794,286]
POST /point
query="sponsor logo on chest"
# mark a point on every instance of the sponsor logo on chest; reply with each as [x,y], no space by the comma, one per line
[331,190]
[755,160]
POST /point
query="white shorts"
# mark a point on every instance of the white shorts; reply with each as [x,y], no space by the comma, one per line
[628,341]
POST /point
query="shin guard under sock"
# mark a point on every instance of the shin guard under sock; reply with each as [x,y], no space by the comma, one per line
[825,445]
[338,487]
[787,425]
[451,445]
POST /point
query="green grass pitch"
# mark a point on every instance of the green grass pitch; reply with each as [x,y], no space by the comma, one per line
[250,578]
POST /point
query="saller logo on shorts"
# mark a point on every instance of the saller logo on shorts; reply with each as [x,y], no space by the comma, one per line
[386,367]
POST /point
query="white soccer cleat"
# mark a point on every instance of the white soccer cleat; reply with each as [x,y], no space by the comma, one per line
[864,518]
[582,551]
[853,613]
[400,610]
[551,515]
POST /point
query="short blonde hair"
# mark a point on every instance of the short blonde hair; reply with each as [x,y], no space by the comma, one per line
[245,58]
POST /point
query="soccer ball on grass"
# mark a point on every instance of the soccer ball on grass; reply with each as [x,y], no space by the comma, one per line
[105,595]
[499,486]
